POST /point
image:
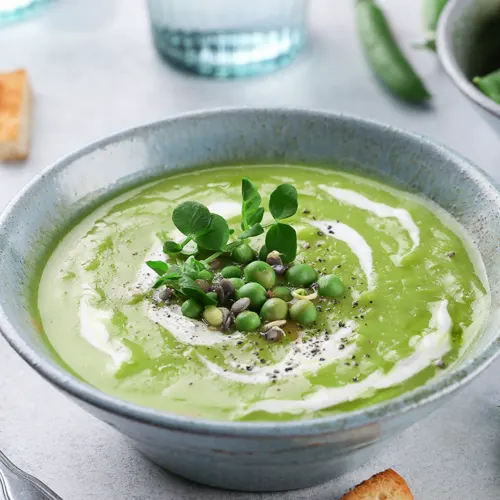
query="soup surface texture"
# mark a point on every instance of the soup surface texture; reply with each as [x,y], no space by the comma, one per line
[415,297]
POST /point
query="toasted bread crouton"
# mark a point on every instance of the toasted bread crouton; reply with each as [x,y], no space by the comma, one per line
[15,115]
[386,485]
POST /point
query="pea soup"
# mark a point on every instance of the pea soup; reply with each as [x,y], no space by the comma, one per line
[326,295]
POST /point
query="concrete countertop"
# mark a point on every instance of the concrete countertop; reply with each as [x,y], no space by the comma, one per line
[95,72]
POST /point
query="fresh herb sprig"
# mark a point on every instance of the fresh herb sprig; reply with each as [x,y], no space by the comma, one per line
[211,232]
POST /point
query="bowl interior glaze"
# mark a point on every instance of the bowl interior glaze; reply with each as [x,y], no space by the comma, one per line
[468,42]
[83,179]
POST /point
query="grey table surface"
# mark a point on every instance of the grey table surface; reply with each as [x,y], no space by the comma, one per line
[95,72]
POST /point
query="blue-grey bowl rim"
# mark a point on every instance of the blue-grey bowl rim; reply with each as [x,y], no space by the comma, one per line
[437,388]
[444,43]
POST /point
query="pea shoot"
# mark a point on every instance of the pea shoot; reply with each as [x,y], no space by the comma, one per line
[216,275]
[489,85]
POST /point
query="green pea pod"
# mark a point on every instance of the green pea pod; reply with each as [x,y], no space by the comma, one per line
[431,10]
[384,54]
[489,85]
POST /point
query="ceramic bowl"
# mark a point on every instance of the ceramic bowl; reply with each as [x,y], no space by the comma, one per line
[468,43]
[261,456]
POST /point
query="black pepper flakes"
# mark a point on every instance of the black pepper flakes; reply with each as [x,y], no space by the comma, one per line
[341,346]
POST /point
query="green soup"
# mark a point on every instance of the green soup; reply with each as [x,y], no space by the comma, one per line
[415,298]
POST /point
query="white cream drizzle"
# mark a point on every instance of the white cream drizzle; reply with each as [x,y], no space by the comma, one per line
[356,243]
[226,209]
[434,343]
[93,330]
[380,210]
[302,357]
[185,330]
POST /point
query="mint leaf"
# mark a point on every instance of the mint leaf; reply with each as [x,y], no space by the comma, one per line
[191,218]
[196,264]
[175,269]
[251,201]
[282,238]
[283,202]
[192,267]
[170,280]
[255,230]
[255,217]
[215,236]
[171,247]
[158,266]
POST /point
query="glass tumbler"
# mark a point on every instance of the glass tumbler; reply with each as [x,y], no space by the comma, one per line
[228,38]
[16,10]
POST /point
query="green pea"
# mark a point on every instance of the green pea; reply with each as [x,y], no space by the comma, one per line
[367,298]
[191,309]
[331,286]
[304,312]
[237,283]
[243,254]
[232,272]
[213,316]
[255,292]
[260,272]
[282,292]
[301,275]
[205,275]
[213,295]
[274,309]
[263,253]
[247,321]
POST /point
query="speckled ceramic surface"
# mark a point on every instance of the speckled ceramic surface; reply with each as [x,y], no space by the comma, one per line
[246,456]
[468,38]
